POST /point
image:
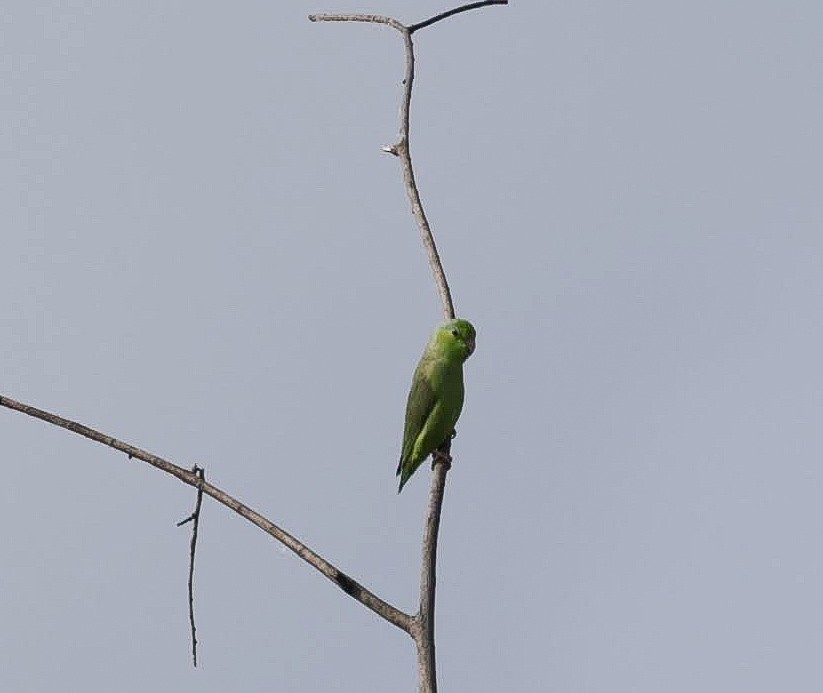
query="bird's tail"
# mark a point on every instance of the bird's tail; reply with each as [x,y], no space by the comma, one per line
[404,473]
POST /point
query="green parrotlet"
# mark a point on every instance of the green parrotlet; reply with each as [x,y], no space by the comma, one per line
[436,396]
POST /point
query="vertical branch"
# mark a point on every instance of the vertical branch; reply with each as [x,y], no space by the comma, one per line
[401,148]
[422,626]
[194,518]
[424,635]
[402,151]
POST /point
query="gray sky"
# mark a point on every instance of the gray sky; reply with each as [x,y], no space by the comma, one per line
[206,254]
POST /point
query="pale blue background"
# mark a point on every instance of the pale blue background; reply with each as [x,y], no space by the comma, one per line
[205,253]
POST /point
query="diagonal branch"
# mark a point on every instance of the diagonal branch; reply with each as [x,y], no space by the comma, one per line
[337,576]
[456,10]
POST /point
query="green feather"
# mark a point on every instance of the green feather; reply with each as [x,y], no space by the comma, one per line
[436,395]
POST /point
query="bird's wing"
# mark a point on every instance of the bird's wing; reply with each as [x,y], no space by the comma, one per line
[422,399]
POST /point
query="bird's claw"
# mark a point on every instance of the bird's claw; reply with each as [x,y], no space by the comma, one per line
[440,456]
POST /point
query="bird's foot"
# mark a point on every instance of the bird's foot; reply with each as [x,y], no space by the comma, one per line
[440,456]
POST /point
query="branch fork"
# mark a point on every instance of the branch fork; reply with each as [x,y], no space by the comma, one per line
[419,626]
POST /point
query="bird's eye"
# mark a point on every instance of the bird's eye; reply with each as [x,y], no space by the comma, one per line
[455,333]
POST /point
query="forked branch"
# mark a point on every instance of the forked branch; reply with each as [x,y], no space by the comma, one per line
[337,576]
[423,623]
[401,147]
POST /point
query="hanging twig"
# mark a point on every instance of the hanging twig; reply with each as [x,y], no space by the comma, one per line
[194,518]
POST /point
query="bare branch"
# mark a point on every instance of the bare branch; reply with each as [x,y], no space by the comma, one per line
[367,18]
[456,10]
[420,626]
[424,620]
[423,623]
[401,150]
[343,581]
[194,518]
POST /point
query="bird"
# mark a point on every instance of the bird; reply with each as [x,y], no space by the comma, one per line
[436,395]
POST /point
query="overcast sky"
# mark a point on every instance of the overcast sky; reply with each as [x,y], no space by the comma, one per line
[205,253]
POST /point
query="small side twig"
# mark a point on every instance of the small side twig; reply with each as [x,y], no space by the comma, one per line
[194,518]
[456,10]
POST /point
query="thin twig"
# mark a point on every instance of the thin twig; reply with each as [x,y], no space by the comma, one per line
[195,519]
[451,13]
[337,576]
[367,18]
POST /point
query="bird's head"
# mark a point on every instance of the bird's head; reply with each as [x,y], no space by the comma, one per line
[457,336]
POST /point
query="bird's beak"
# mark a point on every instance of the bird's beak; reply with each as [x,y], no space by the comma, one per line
[470,344]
